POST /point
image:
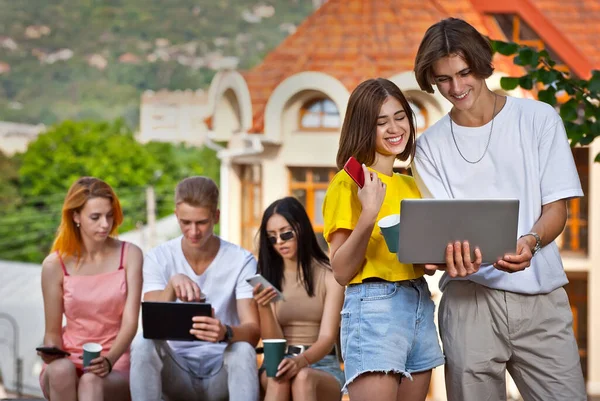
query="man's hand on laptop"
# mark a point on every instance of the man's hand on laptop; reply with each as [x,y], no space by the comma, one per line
[458,261]
[208,328]
[185,289]
[520,260]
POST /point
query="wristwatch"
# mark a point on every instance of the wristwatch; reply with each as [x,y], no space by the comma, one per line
[538,242]
[228,334]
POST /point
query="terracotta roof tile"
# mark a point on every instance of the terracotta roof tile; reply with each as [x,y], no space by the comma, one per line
[353,40]
[568,27]
[579,20]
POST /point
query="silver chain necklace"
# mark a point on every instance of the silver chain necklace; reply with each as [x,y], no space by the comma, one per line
[489,136]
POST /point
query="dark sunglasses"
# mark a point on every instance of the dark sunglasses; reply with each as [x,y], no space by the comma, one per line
[286,236]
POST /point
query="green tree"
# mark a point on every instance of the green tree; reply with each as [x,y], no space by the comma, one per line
[580,113]
[107,150]
[72,149]
[9,177]
[185,161]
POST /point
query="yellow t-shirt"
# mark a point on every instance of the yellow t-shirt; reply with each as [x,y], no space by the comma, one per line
[341,209]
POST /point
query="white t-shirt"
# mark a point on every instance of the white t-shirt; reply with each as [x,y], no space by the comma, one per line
[223,282]
[528,158]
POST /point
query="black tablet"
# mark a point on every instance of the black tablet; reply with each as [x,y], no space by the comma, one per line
[171,320]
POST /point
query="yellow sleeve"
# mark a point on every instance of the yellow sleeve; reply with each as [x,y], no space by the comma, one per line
[341,207]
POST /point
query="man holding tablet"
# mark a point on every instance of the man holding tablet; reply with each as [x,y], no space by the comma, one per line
[222,365]
[513,314]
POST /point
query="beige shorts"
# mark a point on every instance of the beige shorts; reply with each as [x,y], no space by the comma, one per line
[485,332]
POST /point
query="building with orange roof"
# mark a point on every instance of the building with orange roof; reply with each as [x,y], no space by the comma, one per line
[280,121]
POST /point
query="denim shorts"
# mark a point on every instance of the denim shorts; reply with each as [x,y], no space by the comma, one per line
[328,364]
[331,365]
[388,327]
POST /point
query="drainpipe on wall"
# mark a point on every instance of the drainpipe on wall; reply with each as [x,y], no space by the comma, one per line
[226,156]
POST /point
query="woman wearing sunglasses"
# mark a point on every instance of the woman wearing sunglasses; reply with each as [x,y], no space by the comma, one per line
[309,318]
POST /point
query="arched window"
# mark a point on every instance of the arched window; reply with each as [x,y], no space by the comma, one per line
[420,115]
[319,114]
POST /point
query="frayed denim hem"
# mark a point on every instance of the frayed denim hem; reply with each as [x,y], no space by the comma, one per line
[395,371]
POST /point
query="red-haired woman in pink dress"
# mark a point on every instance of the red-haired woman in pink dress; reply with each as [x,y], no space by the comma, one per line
[95,281]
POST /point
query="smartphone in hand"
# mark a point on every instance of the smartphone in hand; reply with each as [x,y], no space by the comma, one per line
[52,351]
[259,279]
[355,171]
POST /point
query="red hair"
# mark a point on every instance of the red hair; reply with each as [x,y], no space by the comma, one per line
[68,238]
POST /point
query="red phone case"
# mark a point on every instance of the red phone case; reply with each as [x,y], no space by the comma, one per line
[355,171]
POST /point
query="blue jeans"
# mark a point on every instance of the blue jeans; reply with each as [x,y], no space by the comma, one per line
[159,373]
[389,328]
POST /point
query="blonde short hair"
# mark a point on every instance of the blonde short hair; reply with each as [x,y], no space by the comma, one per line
[197,191]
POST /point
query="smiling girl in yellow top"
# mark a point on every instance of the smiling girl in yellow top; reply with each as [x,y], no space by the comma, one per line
[387,319]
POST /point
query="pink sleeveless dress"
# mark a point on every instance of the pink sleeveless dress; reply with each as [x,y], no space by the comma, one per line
[93,306]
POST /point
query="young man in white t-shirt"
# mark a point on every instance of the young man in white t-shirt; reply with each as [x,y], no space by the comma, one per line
[195,265]
[513,314]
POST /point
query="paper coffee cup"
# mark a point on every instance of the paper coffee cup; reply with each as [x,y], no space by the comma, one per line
[390,229]
[90,351]
[274,353]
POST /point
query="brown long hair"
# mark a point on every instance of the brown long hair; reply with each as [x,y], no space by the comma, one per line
[452,36]
[359,131]
[68,237]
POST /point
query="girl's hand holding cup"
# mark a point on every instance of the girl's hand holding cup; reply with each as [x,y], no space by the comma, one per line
[100,366]
[93,362]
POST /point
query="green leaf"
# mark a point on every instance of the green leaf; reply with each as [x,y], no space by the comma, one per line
[526,82]
[568,111]
[591,110]
[546,76]
[594,84]
[527,57]
[597,159]
[509,83]
[567,85]
[586,140]
[548,96]
[544,54]
[574,132]
[504,48]
[594,129]
[546,57]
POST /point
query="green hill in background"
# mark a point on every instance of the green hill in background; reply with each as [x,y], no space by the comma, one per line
[92,59]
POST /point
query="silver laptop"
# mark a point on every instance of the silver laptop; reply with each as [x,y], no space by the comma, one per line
[428,225]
